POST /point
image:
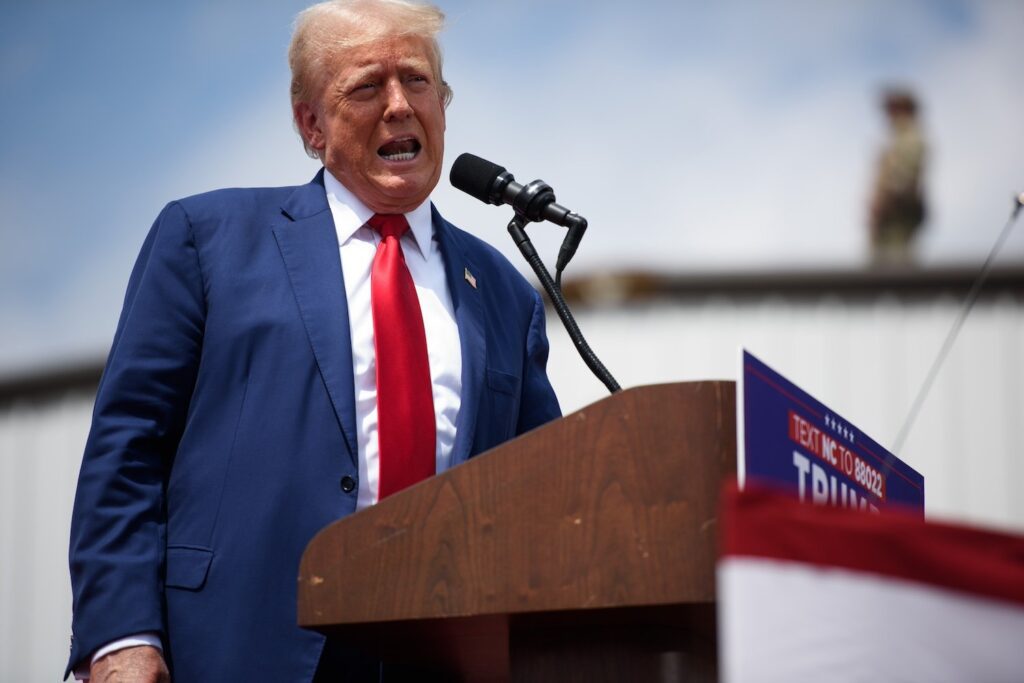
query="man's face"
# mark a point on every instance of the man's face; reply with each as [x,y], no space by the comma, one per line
[379,123]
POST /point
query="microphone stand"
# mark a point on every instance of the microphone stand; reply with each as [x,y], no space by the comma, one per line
[516,228]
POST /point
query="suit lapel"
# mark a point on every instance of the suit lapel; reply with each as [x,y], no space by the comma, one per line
[308,243]
[469,316]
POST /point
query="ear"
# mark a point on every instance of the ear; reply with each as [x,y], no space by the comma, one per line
[308,123]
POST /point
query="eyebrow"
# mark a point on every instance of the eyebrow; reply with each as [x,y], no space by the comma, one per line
[362,69]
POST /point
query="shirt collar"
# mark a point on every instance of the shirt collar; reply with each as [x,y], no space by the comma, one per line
[351,214]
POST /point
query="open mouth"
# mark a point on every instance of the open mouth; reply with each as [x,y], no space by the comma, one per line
[404,149]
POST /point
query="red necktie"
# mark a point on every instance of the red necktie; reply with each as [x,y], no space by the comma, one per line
[405,400]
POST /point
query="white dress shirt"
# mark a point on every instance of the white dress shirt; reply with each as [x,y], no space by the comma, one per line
[358,245]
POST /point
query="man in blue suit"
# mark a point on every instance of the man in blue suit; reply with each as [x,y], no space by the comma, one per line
[239,412]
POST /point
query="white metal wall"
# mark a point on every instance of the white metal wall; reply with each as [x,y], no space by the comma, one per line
[866,360]
[40,449]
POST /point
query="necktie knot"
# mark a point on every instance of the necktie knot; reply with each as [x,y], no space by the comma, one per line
[389,224]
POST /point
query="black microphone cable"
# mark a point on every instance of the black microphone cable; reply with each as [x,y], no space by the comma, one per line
[522,240]
[535,201]
[965,309]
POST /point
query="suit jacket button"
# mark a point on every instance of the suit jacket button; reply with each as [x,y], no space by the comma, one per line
[348,484]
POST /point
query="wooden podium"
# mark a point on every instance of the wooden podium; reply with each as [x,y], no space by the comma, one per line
[581,551]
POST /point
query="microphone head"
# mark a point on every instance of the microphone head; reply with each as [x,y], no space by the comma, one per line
[475,176]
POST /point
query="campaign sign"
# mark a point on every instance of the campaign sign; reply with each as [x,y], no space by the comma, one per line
[787,438]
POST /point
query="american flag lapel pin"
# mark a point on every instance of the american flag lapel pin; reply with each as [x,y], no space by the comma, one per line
[470,279]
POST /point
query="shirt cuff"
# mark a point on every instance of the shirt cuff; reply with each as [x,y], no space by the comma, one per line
[134,640]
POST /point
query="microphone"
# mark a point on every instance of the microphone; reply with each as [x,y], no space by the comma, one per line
[535,201]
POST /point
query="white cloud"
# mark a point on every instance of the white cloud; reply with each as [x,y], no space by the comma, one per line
[691,137]
[975,107]
[691,163]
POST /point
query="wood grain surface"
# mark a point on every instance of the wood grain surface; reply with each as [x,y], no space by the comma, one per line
[608,511]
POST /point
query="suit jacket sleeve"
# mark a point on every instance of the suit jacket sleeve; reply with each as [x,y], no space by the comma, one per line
[118,523]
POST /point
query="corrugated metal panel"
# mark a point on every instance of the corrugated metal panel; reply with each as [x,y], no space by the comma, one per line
[40,450]
[866,360]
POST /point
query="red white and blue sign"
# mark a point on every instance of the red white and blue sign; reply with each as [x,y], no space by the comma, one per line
[788,439]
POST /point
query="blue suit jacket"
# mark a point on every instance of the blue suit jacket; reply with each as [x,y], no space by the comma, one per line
[225,421]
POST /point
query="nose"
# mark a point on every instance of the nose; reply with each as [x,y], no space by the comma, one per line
[397,104]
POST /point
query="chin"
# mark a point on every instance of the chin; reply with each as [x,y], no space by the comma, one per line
[406,190]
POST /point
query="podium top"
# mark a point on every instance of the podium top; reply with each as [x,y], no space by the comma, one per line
[614,505]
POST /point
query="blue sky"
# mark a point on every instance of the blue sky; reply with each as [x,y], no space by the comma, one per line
[691,135]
